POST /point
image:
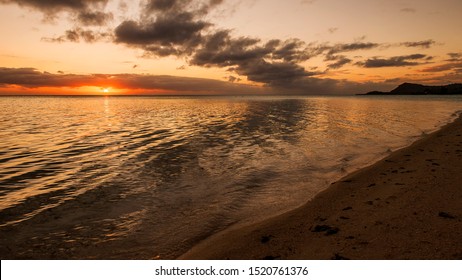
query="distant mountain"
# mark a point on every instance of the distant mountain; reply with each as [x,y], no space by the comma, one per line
[416,89]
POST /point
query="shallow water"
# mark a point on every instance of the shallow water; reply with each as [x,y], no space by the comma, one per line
[145,177]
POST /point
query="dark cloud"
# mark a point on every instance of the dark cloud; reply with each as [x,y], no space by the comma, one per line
[396,61]
[53,6]
[221,50]
[340,61]
[167,35]
[162,5]
[453,66]
[273,63]
[279,74]
[356,46]
[453,57]
[32,78]
[172,27]
[83,13]
[335,53]
[86,11]
[199,7]
[94,18]
[419,44]
[293,50]
[169,27]
[79,34]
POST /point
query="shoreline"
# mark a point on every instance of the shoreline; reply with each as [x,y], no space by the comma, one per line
[405,206]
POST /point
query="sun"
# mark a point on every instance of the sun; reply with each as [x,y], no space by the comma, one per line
[105,89]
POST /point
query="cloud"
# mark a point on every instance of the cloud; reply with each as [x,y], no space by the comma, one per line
[273,63]
[53,6]
[454,57]
[419,44]
[340,61]
[293,50]
[32,78]
[454,66]
[169,27]
[86,11]
[78,34]
[396,61]
[332,30]
[94,18]
[167,35]
[83,13]
[222,50]
[341,48]
[201,7]
[336,52]
[279,74]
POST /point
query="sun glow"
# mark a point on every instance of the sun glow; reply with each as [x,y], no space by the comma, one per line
[105,90]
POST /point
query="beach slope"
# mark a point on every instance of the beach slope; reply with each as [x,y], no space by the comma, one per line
[407,206]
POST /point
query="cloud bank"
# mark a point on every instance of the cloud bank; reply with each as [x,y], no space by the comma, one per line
[32,78]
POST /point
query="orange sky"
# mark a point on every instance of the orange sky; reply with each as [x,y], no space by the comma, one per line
[226,46]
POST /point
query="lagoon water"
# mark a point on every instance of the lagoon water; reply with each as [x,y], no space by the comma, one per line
[149,177]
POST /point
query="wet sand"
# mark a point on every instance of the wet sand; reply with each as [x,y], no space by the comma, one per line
[406,206]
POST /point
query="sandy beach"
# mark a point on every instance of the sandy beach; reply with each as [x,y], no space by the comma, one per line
[406,206]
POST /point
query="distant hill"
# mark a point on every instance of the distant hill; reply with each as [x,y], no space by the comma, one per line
[416,89]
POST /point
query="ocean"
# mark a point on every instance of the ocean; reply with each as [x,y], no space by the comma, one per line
[149,177]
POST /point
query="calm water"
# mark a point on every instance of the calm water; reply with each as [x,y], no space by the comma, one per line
[120,177]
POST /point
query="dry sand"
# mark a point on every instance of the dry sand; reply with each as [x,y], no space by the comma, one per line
[407,206]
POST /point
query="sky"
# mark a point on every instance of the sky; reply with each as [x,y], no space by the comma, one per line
[227,46]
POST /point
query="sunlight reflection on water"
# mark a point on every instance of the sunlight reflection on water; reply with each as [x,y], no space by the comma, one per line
[171,171]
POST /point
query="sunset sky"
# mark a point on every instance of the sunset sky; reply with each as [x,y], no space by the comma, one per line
[227,46]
